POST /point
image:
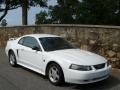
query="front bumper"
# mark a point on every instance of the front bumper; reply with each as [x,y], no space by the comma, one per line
[85,77]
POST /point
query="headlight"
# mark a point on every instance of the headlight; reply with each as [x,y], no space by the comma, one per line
[80,67]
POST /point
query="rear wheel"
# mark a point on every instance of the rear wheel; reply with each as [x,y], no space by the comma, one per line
[55,74]
[12,59]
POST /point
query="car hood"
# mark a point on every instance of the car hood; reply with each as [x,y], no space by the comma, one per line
[77,56]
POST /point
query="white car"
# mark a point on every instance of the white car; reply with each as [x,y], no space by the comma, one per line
[54,57]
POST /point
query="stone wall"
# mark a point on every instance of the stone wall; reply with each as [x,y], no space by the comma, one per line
[103,40]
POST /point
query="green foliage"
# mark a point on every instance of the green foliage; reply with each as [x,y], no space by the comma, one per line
[41,3]
[102,12]
[41,18]
[4,22]
[65,11]
[99,11]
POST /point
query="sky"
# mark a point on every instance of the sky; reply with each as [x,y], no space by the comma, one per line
[14,16]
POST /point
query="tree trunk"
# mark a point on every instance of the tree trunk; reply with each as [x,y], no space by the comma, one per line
[25,12]
[4,14]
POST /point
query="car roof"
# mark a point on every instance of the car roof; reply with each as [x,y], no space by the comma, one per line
[42,35]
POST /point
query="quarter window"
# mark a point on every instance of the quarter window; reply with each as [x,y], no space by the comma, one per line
[21,41]
[30,42]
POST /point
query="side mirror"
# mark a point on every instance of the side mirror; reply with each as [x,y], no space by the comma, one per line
[36,48]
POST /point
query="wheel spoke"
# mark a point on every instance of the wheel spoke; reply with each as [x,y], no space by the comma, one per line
[57,77]
[54,74]
[52,70]
[12,59]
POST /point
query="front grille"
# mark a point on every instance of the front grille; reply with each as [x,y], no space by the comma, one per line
[99,77]
[96,78]
[99,66]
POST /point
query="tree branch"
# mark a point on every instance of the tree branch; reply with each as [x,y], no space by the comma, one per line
[3,9]
[5,13]
[7,7]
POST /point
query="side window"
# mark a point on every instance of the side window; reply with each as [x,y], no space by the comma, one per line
[21,41]
[30,42]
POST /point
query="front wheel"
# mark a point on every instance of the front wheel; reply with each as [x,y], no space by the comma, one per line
[12,59]
[55,74]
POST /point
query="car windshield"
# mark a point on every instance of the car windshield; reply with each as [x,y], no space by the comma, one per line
[55,43]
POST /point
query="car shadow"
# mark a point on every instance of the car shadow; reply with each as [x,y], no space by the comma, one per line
[109,83]
[102,85]
[31,71]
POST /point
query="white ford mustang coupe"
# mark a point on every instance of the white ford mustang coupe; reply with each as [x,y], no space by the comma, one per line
[54,57]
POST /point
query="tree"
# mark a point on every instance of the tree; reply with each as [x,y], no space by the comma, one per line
[106,12]
[65,11]
[4,22]
[29,3]
[6,5]
[42,18]
[99,12]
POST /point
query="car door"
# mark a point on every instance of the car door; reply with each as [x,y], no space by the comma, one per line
[30,53]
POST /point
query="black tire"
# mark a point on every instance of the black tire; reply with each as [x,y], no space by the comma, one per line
[12,59]
[58,81]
